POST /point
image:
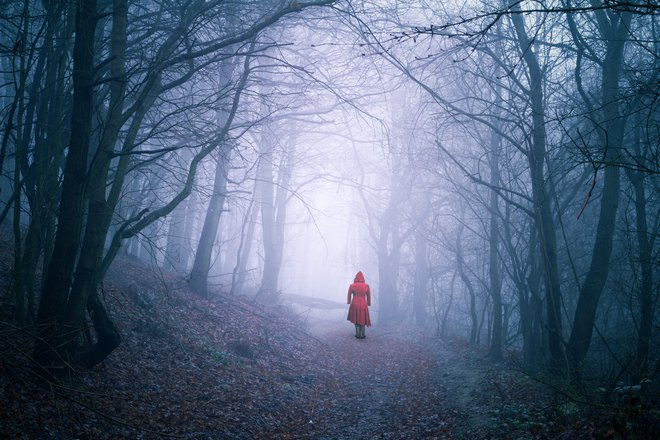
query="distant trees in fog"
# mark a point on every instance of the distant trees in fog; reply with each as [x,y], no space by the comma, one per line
[537,110]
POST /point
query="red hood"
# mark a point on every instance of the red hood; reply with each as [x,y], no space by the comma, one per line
[359,278]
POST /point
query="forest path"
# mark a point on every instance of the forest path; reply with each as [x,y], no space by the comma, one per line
[393,384]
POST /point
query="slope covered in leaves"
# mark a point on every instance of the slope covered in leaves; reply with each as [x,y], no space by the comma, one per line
[188,367]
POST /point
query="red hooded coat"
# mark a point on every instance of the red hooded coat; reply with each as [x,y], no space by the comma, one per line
[358,312]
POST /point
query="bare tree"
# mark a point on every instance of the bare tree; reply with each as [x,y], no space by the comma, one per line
[614,29]
[202,262]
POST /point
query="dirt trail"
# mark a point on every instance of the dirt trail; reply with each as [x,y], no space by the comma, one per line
[391,385]
[463,381]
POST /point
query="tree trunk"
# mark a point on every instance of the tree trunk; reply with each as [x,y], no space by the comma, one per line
[527,284]
[23,258]
[388,269]
[388,251]
[273,215]
[179,231]
[202,264]
[484,311]
[56,141]
[434,304]
[107,334]
[266,193]
[99,214]
[615,29]
[240,270]
[39,154]
[421,278]
[57,282]
[174,250]
[445,316]
[541,200]
[460,268]
[646,285]
[495,277]
[645,326]
[534,345]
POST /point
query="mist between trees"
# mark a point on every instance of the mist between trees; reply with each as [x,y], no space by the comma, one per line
[491,168]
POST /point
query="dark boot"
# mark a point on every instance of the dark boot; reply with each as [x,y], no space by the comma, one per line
[357,331]
[362,332]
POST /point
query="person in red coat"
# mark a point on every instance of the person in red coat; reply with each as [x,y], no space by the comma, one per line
[358,312]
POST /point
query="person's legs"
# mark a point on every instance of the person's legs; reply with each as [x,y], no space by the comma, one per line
[362,332]
[357,330]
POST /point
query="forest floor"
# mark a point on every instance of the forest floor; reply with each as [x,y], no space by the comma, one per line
[230,368]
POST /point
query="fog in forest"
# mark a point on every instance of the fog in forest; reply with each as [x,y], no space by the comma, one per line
[491,168]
